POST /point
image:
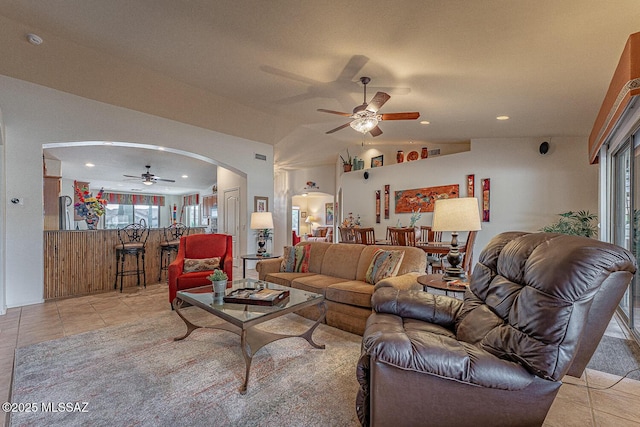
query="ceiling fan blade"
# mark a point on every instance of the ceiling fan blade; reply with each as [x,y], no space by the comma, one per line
[400,116]
[352,68]
[165,180]
[132,176]
[378,101]
[339,128]
[376,131]
[340,113]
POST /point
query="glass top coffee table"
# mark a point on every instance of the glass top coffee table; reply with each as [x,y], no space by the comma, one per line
[241,319]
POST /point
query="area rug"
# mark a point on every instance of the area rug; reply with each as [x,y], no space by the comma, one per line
[616,356]
[137,375]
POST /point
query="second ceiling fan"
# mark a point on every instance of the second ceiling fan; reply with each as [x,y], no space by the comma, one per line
[365,116]
[148,178]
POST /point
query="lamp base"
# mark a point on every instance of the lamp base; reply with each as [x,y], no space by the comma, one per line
[454,273]
[261,247]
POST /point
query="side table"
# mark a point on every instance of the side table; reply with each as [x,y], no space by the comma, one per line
[253,257]
[435,281]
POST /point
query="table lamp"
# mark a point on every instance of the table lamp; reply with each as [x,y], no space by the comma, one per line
[459,214]
[263,222]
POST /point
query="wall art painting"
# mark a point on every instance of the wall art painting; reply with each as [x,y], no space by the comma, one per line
[471,183]
[328,213]
[377,161]
[377,206]
[386,201]
[260,204]
[408,201]
[486,190]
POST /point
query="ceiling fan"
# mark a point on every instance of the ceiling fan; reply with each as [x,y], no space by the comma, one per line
[365,116]
[148,178]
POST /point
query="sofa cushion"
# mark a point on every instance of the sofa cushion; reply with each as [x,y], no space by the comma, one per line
[203,264]
[341,260]
[284,279]
[317,254]
[352,292]
[383,264]
[317,283]
[415,260]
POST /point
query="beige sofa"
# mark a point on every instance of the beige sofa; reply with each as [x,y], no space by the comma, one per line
[337,270]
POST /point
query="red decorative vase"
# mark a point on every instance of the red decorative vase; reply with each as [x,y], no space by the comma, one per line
[400,156]
[425,153]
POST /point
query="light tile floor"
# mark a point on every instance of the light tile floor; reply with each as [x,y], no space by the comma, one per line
[575,405]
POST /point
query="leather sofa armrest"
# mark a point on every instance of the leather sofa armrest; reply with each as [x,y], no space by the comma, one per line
[268,266]
[405,282]
[439,309]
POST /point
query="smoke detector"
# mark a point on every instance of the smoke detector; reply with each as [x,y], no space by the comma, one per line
[34,39]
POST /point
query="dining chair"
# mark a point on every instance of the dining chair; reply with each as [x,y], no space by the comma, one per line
[427,235]
[346,235]
[365,235]
[401,236]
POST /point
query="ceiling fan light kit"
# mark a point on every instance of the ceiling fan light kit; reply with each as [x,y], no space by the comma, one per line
[148,178]
[365,116]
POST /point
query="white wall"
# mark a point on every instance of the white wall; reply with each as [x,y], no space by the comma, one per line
[35,115]
[3,224]
[528,189]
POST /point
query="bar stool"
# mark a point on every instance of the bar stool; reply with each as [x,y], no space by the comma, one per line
[133,239]
[170,244]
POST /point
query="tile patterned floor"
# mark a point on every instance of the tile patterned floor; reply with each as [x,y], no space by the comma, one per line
[575,405]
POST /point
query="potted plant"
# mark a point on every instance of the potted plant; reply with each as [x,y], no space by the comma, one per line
[219,279]
[346,163]
[575,223]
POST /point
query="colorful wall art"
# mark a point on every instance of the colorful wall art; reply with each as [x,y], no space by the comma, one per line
[486,192]
[408,201]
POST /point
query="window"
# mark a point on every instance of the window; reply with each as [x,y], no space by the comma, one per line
[192,216]
[118,216]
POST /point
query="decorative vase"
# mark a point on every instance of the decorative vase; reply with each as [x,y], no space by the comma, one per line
[418,232]
[347,167]
[219,287]
[400,156]
[92,222]
[425,153]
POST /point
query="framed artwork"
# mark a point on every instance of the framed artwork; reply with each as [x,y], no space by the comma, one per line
[408,201]
[377,206]
[386,201]
[486,190]
[377,161]
[471,183]
[303,214]
[328,213]
[260,204]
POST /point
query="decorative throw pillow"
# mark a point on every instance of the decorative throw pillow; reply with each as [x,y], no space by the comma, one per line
[204,264]
[295,259]
[288,259]
[384,264]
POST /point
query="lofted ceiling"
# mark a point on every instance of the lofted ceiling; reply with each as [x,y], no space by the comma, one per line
[545,63]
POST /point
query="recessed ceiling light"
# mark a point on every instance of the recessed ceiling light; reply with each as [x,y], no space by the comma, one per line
[185,176]
[425,122]
[502,117]
[108,143]
[160,148]
[89,165]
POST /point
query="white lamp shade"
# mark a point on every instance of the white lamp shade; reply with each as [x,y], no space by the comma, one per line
[460,214]
[309,220]
[261,220]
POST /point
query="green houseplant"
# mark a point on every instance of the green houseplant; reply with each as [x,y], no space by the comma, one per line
[576,223]
[219,279]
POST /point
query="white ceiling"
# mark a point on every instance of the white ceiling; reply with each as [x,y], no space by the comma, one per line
[545,63]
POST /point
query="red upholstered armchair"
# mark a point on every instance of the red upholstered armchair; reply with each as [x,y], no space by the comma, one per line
[198,247]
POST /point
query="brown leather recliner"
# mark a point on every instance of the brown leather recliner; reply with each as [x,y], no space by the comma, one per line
[537,307]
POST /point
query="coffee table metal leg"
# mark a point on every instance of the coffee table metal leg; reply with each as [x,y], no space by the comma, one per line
[177,305]
[248,357]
